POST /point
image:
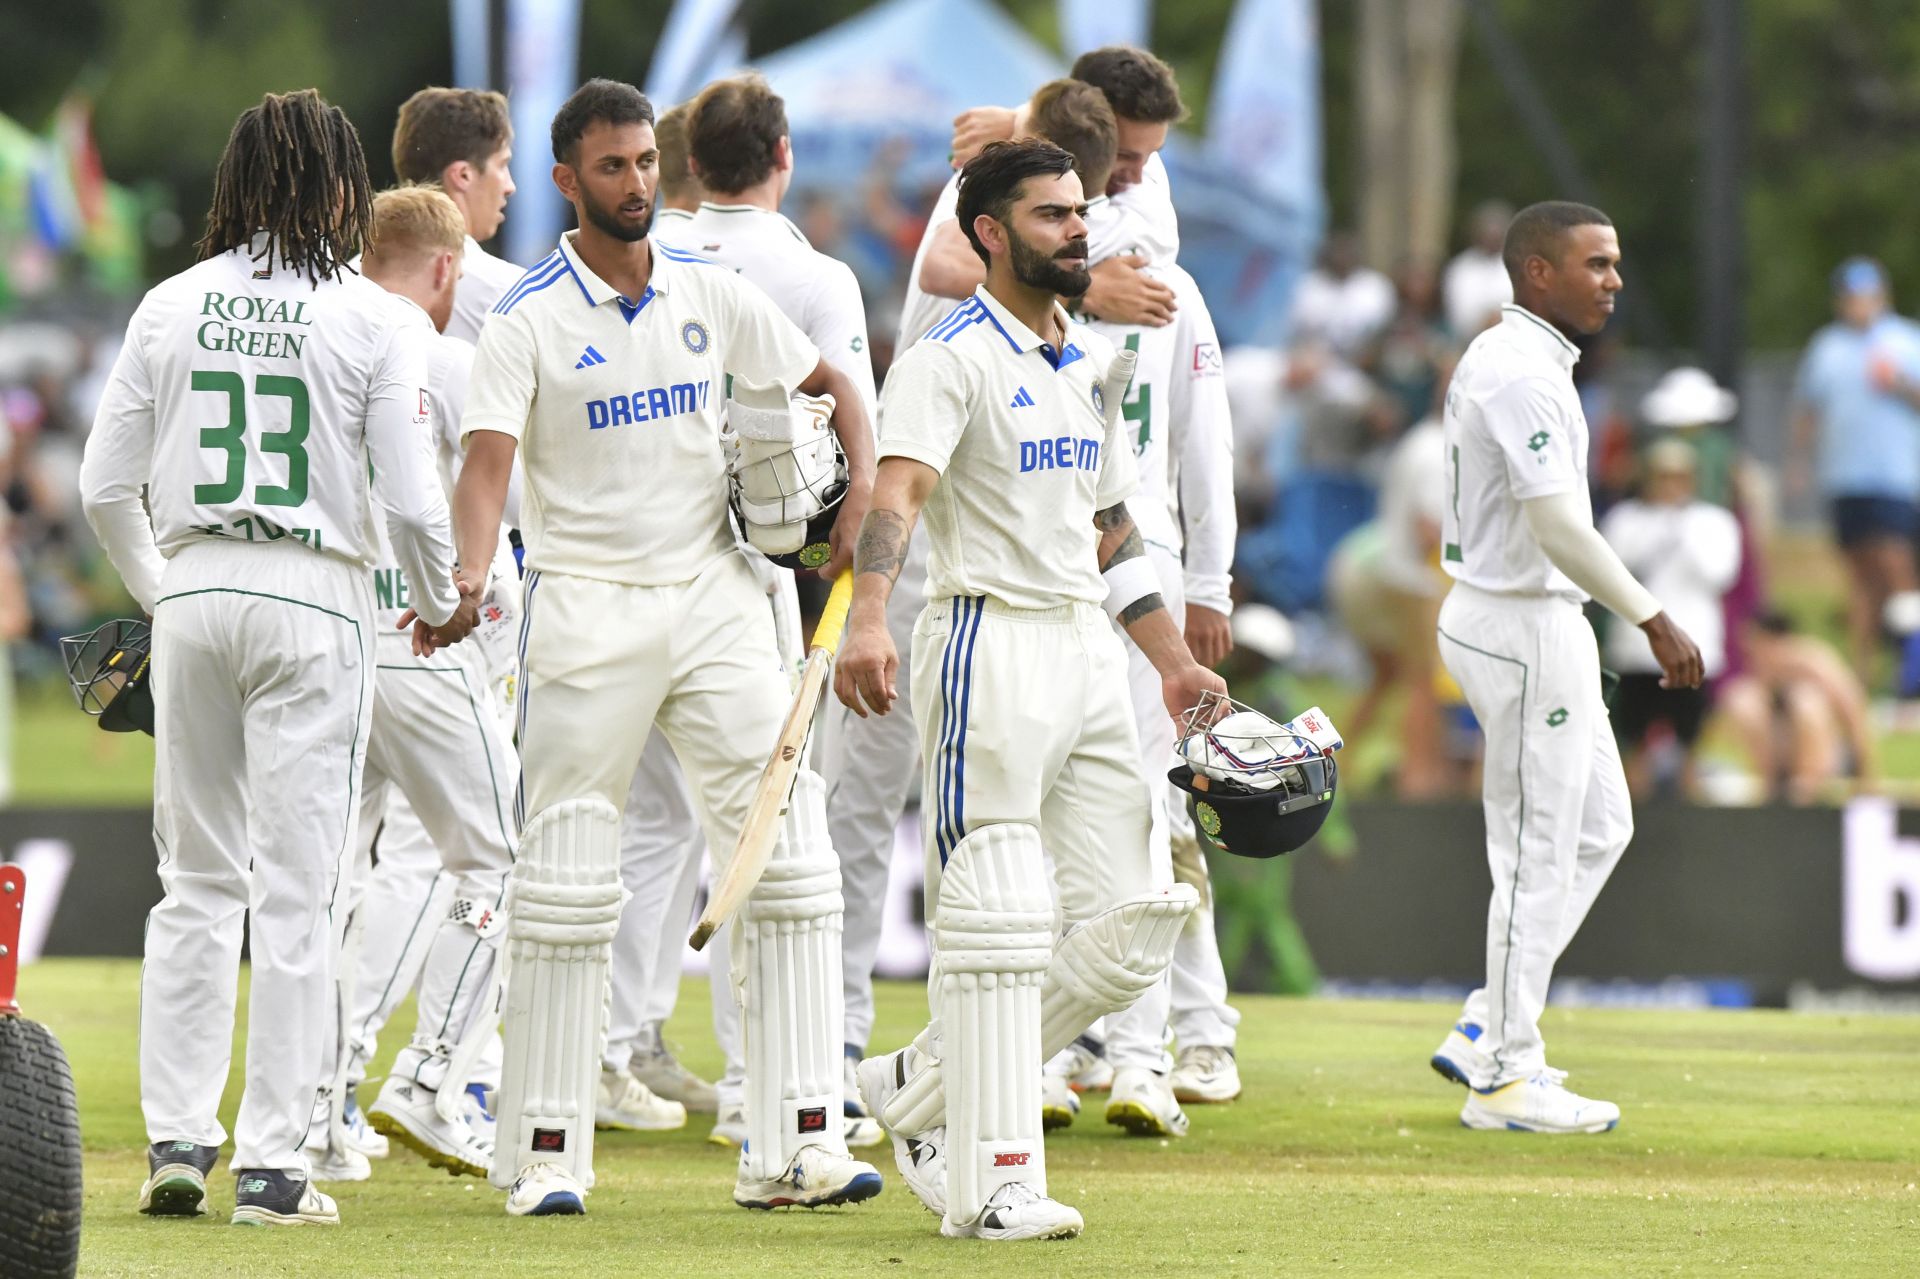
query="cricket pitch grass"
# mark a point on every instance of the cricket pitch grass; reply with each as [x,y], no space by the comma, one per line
[1758,1143]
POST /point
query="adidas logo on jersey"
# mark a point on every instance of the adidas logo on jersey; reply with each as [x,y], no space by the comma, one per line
[1021,400]
[591,358]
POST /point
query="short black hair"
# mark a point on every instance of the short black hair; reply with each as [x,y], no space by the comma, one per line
[1138,85]
[991,181]
[612,101]
[1536,231]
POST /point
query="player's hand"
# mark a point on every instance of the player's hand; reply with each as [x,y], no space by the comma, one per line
[867,667]
[1678,655]
[974,128]
[466,615]
[846,526]
[1209,635]
[1182,687]
[1121,294]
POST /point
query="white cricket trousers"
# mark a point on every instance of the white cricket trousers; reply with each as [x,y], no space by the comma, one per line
[263,694]
[1555,798]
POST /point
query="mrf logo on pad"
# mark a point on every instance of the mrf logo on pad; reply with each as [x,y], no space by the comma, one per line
[1011,1159]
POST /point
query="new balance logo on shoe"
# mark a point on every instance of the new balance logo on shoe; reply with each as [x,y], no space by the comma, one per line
[591,358]
[1022,400]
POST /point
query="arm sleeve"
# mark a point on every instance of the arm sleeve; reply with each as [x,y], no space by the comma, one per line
[406,482]
[1565,531]
[925,406]
[763,348]
[115,467]
[1202,446]
[505,378]
[839,329]
[1528,425]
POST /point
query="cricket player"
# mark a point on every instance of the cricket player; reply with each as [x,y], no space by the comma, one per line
[266,400]
[606,367]
[462,141]
[1004,423]
[1518,540]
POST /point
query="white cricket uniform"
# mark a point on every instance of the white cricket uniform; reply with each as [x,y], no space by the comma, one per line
[639,609]
[483,278]
[1175,418]
[266,416]
[1513,636]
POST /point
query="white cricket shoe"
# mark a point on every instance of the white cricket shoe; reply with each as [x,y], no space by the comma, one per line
[863,1130]
[360,1134]
[817,1178]
[1143,1103]
[1084,1063]
[328,1160]
[406,1112]
[1059,1103]
[546,1190]
[729,1127]
[474,1109]
[625,1102]
[1459,1058]
[1018,1211]
[1206,1073]
[1540,1103]
[667,1079]
[921,1156]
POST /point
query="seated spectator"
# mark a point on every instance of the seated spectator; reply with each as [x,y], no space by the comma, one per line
[1341,302]
[1687,553]
[1475,286]
[1800,712]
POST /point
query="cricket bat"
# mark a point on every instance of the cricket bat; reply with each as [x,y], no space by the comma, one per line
[761,829]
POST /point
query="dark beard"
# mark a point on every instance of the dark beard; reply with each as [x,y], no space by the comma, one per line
[1038,271]
[611,224]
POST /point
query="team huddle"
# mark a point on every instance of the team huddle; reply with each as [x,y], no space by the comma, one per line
[499,566]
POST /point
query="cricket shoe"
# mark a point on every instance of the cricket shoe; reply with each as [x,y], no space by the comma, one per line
[921,1156]
[327,1159]
[478,1114]
[667,1079]
[406,1111]
[1539,1103]
[546,1190]
[1205,1073]
[863,1130]
[176,1183]
[729,1128]
[817,1178]
[360,1134]
[1018,1211]
[1084,1063]
[626,1103]
[270,1197]
[1059,1103]
[1143,1103]
[1459,1058]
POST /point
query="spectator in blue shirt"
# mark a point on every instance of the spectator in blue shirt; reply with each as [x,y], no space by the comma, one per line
[1858,394]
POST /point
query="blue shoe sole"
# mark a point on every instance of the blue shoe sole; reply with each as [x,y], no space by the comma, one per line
[861,1188]
[560,1203]
[1517,1127]
[1444,1067]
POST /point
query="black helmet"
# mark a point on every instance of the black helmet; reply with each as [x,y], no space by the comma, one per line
[1258,788]
[109,668]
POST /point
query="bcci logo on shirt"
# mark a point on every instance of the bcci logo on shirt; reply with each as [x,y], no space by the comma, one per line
[694,335]
[1099,400]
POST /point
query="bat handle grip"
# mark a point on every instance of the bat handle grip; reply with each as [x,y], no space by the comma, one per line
[833,618]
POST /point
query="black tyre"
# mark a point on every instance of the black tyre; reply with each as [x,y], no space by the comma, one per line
[39,1155]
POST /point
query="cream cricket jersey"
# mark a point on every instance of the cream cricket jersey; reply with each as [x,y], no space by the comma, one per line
[254,406]
[1515,431]
[617,403]
[483,279]
[1018,432]
[816,292]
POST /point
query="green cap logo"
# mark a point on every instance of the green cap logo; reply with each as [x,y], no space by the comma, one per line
[1209,820]
[815,554]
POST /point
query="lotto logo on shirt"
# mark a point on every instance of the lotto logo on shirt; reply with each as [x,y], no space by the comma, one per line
[651,405]
[1064,453]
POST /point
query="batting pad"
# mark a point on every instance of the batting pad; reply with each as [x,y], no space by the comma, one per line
[1103,964]
[564,907]
[993,933]
[788,982]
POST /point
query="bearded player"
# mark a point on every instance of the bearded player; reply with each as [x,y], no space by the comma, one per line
[1005,425]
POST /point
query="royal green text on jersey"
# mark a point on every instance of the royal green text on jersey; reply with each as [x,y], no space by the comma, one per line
[228,315]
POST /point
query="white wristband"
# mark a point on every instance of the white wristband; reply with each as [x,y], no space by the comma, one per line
[1129,582]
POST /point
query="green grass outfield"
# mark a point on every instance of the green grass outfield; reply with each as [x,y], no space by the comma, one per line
[1753,1142]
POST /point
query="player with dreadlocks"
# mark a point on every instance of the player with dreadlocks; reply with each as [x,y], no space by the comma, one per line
[267,399]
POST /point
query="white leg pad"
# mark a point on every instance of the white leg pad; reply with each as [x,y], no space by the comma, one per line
[785,953]
[563,909]
[993,933]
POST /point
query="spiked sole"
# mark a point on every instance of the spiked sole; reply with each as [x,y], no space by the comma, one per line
[1444,1067]
[178,1195]
[391,1128]
[1138,1119]
[1055,1117]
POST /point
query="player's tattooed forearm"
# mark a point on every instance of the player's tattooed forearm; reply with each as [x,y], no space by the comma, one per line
[1113,517]
[1112,522]
[1146,604]
[882,547]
